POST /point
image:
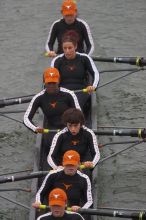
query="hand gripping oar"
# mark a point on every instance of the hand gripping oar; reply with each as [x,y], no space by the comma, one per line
[141,215]
[6,179]
[138,61]
[23,99]
[83,90]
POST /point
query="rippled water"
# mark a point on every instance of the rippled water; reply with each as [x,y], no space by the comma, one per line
[119,29]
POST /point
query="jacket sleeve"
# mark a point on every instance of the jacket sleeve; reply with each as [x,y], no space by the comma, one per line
[54,154]
[51,37]
[73,98]
[46,187]
[29,114]
[91,68]
[93,146]
[87,37]
[87,199]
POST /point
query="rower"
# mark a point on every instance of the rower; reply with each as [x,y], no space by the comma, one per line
[53,101]
[75,136]
[66,24]
[76,184]
[75,69]
[57,201]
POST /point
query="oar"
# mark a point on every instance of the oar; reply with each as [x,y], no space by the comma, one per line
[13,119]
[107,83]
[120,151]
[6,179]
[7,102]
[38,174]
[141,215]
[38,206]
[14,172]
[138,61]
[25,99]
[141,133]
[116,79]
[13,201]
[120,127]
[13,112]
[121,70]
[114,213]
[17,97]
[15,189]
[127,209]
[116,143]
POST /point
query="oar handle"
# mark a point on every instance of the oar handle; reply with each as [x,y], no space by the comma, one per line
[41,206]
[83,166]
[85,90]
[50,54]
[46,130]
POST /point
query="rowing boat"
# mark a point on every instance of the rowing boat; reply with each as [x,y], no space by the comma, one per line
[40,156]
[42,139]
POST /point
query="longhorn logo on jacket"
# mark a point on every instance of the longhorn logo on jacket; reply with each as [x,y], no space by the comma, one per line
[53,104]
[67,185]
[74,142]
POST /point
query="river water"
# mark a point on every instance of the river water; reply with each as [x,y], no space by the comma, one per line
[119,29]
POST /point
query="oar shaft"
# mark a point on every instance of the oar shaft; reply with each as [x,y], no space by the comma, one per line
[103,212]
[6,179]
[138,61]
[121,151]
[15,189]
[114,213]
[141,133]
[14,172]
[8,102]
[13,201]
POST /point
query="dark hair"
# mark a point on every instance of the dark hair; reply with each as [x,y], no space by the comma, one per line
[71,36]
[73,116]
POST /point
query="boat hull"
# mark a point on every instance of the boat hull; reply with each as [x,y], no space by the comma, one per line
[40,154]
